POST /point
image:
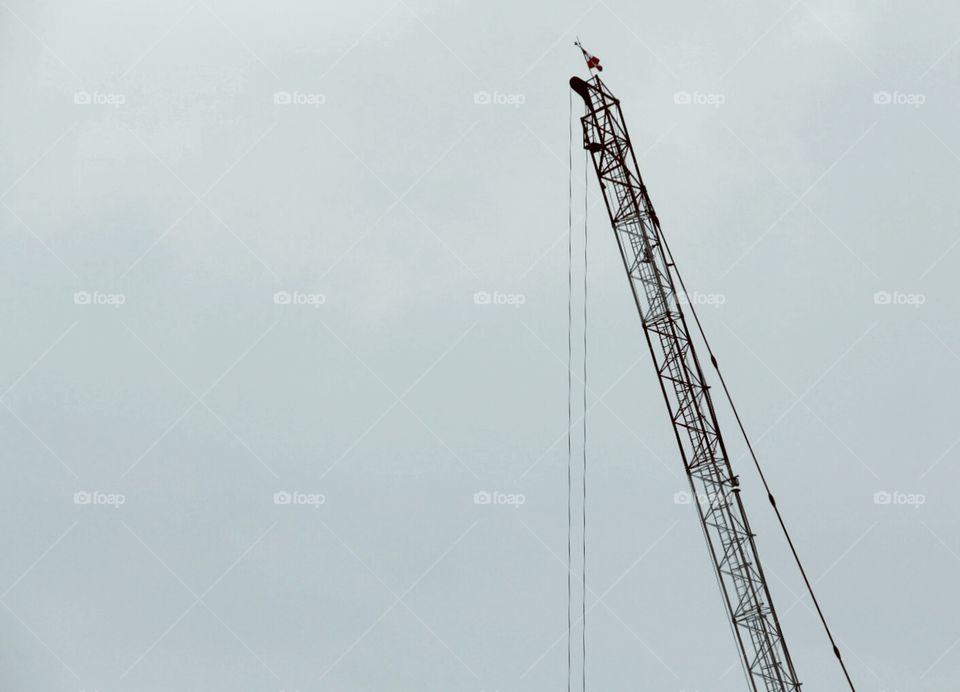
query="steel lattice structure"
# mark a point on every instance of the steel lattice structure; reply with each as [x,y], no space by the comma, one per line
[713,484]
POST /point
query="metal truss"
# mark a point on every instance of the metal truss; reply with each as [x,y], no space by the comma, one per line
[714,487]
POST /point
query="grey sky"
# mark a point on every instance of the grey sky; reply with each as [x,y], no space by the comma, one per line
[241,244]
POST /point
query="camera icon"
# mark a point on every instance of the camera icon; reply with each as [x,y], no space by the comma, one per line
[883,98]
[882,497]
[282,298]
[282,98]
[482,498]
[282,497]
[82,497]
[882,298]
[682,498]
[82,98]
[682,98]
[482,98]
[81,298]
[482,298]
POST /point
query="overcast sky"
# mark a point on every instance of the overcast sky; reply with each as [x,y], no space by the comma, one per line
[252,383]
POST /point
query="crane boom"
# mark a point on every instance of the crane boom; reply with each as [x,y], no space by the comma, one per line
[713,484]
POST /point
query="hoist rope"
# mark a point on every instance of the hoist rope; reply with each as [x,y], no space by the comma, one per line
[583,556]
[583,569]
[569,396]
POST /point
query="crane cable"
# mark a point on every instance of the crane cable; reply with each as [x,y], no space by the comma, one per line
[569,394]
[756,463]
[583,566]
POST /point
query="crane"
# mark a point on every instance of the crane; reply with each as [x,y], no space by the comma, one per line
[713,484]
